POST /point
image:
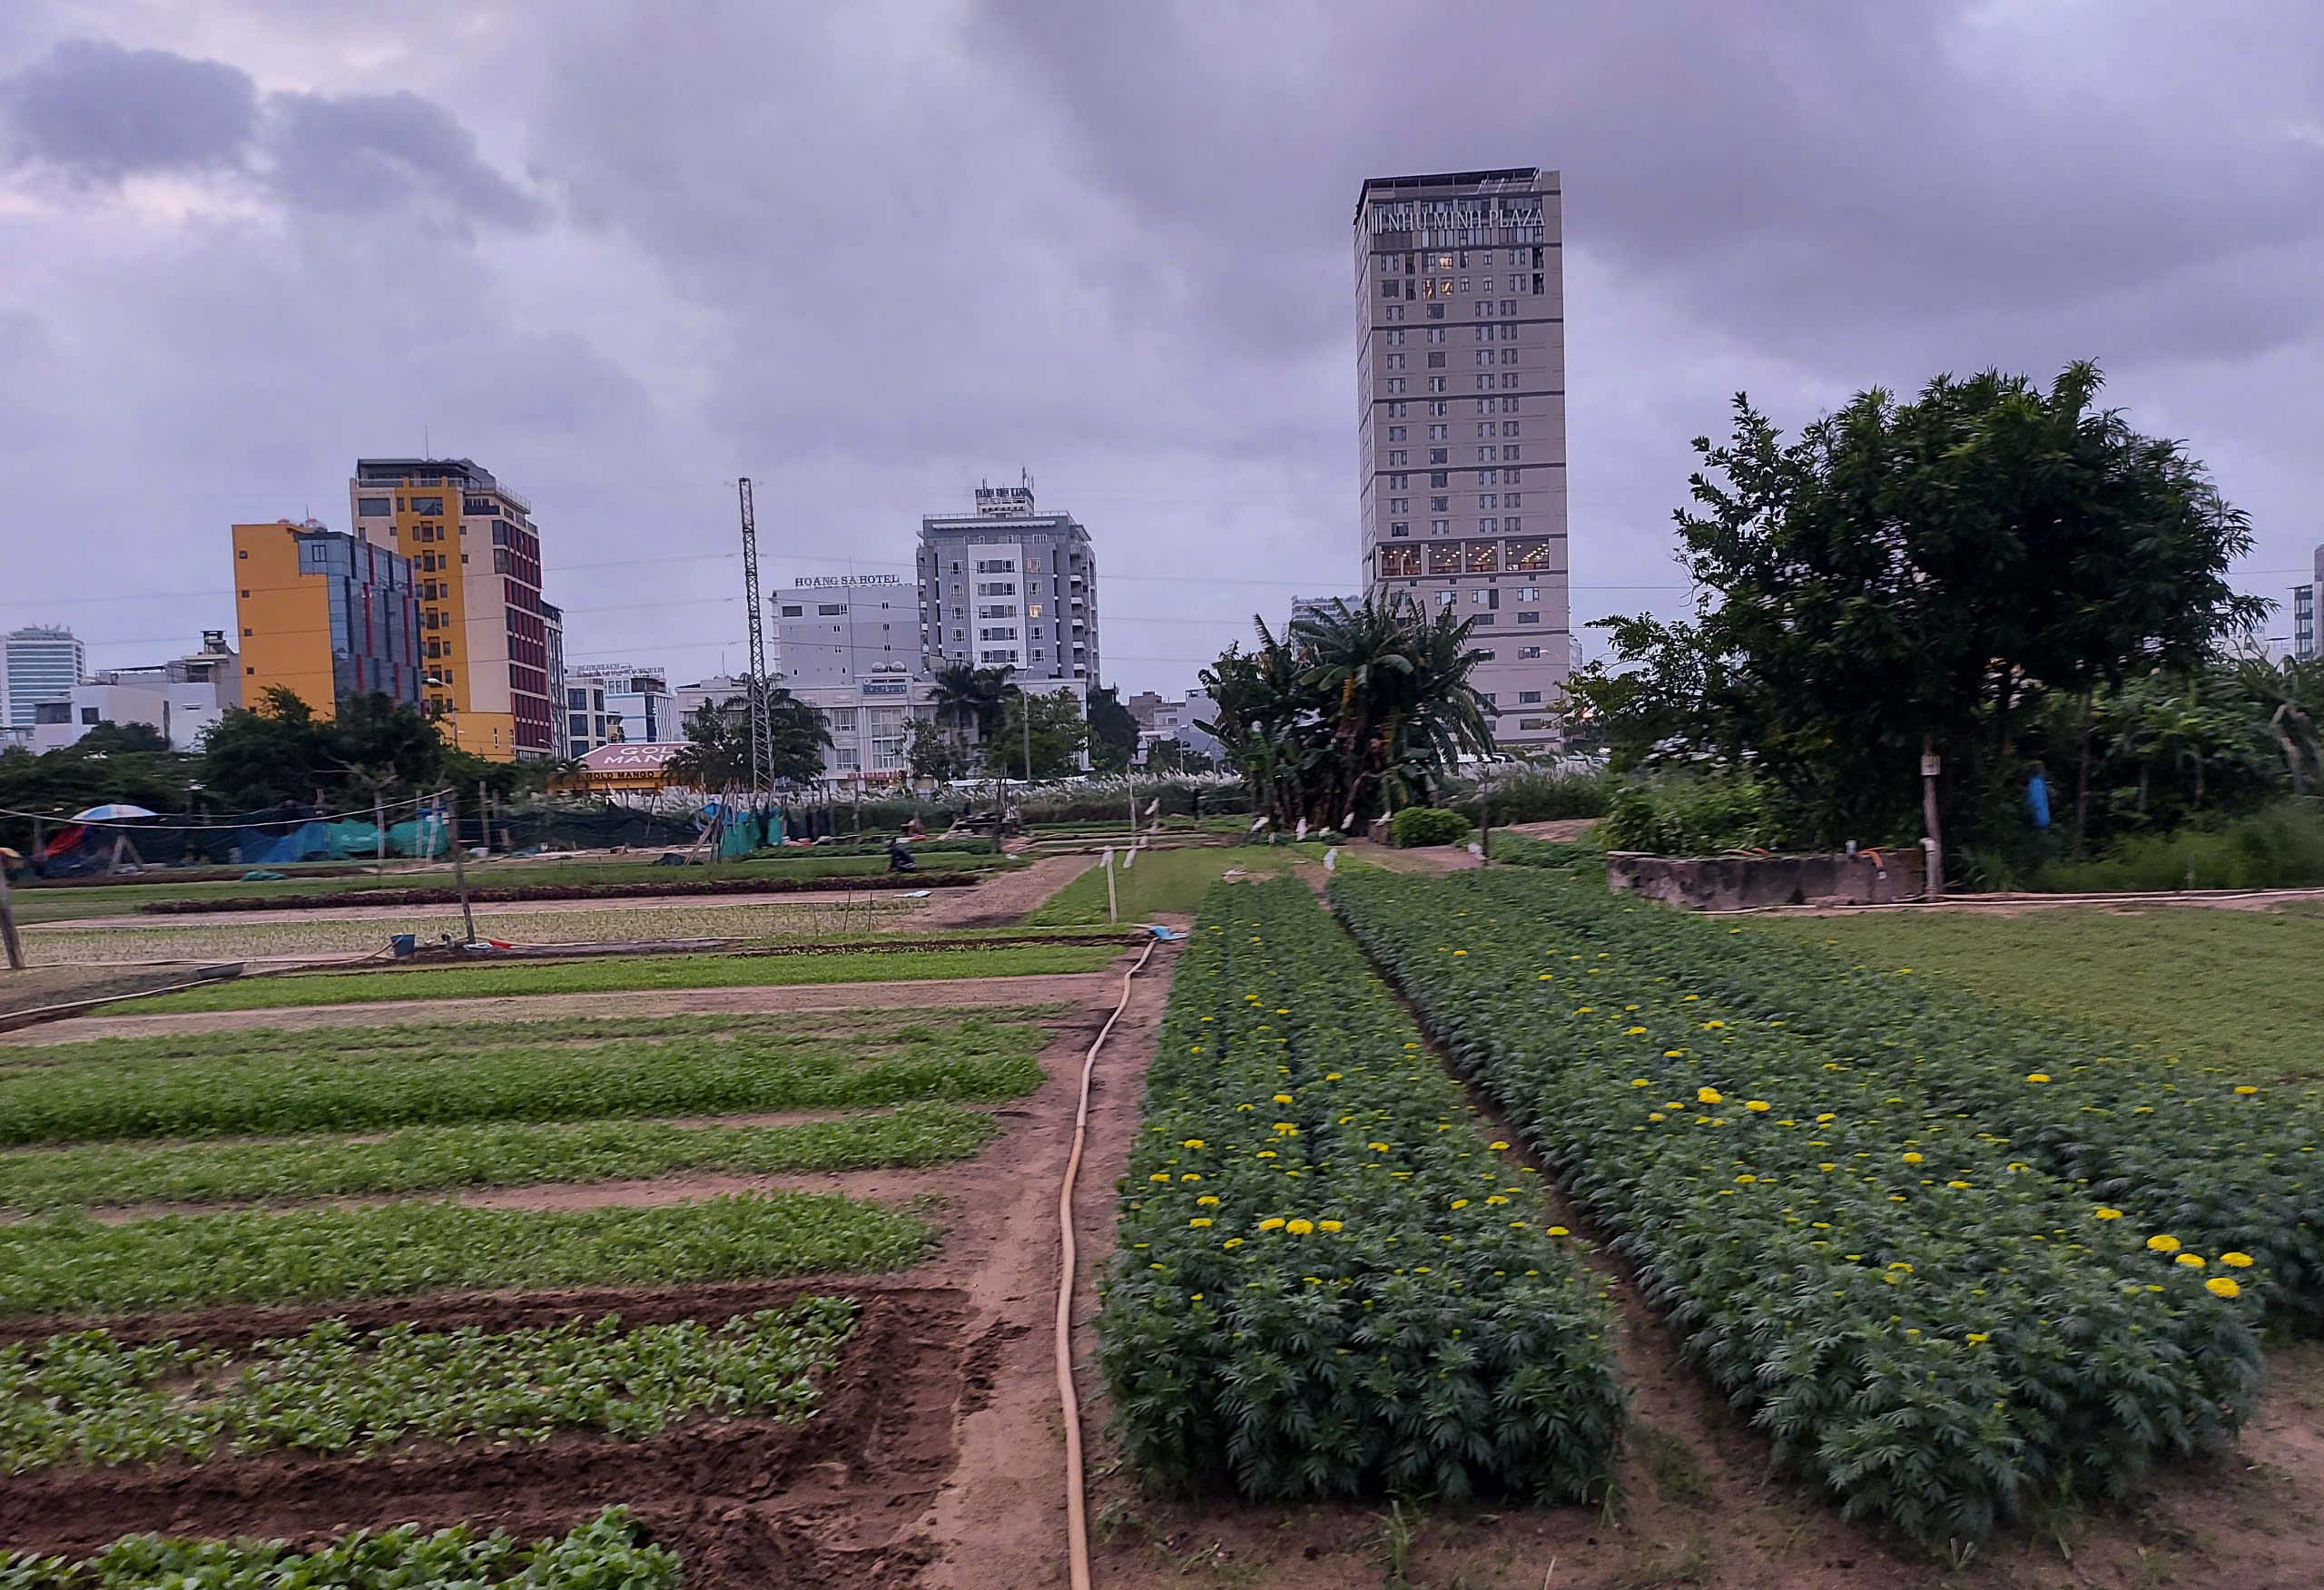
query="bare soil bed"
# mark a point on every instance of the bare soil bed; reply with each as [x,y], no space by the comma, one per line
[500,894]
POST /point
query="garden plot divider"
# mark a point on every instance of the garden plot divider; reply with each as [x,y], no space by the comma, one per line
[1933,1330]
[1326,1283]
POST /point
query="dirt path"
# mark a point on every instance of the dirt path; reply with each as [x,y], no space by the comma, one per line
[1005,900]
[1001,1516]
[917,994]
[1422,858]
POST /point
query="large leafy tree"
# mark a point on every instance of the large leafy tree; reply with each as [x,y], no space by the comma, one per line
[717,753]
[1058,735]
[1113,731]
[1922,574]
[1358,707]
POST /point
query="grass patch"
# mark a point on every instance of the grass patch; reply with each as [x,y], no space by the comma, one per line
[2238,988]
[636,973]
[1162,881]
[429,1159]
[89,1400]
[323,1088]
[67,1263]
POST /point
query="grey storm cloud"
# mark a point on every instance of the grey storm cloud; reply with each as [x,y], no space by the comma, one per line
[95,111]
[624,252]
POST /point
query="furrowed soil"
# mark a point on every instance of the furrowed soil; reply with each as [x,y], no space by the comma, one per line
[744,1502]
[934,1461]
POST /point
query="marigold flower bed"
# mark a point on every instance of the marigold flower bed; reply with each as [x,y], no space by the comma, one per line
[1326,1284]
[1933,1330]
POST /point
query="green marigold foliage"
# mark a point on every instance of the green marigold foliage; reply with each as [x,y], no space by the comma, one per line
[1326,1283]
[1426,825]
[89,1398]
[1923,1321]
[607,1551]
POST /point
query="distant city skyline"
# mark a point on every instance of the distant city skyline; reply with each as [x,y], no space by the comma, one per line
[326,233]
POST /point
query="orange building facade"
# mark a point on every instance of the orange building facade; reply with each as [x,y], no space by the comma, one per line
[324,615]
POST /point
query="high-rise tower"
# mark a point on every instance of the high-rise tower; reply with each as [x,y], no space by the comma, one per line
[1460,424]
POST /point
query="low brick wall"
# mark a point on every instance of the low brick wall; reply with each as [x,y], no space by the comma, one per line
[1730,883]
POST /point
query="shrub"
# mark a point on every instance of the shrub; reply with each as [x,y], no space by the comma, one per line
[1545,797]
[1694,815]
[1581,858]
[1426,825]
[1326,1284]
[2281,846]
[1932,1329]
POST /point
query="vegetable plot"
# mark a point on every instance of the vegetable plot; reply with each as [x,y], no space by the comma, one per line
[607,1551]
[1326,1283]
[91,1399]
[1931,1327]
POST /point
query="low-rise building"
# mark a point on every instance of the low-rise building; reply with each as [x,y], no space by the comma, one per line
[182,712]
[834,627]
[2306,644]
[639,698]
[871,721]
[1177,721]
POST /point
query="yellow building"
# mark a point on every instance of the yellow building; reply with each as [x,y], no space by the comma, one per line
[324,615]
[476,559]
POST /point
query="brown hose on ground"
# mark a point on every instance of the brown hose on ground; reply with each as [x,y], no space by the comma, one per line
[1077,1505]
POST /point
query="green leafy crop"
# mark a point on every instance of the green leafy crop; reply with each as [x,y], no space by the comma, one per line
[1922,1319]
[1327,1282]
[88,1398]
[607,1551]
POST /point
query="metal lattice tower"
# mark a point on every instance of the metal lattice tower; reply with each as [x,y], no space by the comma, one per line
[761,726]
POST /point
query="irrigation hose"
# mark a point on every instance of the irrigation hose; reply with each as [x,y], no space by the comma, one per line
[1077,1502]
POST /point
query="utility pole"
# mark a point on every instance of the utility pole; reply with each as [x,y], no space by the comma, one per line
[762,722]
[8,923]
[460,866]
[1933,845]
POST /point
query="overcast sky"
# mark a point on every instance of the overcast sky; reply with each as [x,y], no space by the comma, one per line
[620,254]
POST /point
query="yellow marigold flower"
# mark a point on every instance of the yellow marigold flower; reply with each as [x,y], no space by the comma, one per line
[1979,1336]
[1273,1224]
[1746,1180]
[1713,1026]
[1654,1115]
[1674,1054]
[1206,1201]
[1901,1266]
[2110,1214]
[1460,952]
[2220,1286]
[1709,1095]
[1299,1228]
[1632,1032]
[1828,1165]
[1283,1098]
[1193,1142]
[1160,1176]
[1826,1115]
[2239,1261]
[1641,1082]
[1200,1220]
[1283,1010]
[2037,1076]
[1493,1199]
[1377,1147]
[2164,1245]
[1544,977]
[1194,1297]
[1961,1187]
[2246,1088]
[1460,1204]
[2192,1261]
[1232,1243]
[1329,1225]
[1911,1158]
[1191,1176]
[1558,1232]
[1498,1146]
[1331,1076]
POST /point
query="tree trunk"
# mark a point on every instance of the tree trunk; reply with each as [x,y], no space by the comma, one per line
[2082,773]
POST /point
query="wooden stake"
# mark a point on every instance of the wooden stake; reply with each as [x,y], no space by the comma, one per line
[1930,768]
[8,923]
[460,866]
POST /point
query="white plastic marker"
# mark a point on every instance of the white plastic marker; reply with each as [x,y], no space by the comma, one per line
[1113,912]
[1476,850]
[1303,829]
[1260,824]
[1129,858]
[1332,859]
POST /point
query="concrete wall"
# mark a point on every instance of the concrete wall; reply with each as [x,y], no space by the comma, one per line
[1730,883]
